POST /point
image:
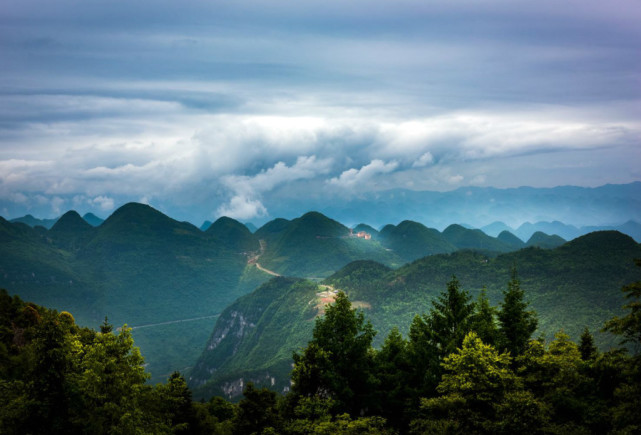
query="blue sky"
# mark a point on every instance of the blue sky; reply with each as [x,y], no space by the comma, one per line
[205,108]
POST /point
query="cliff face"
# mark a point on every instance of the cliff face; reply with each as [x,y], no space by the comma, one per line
[231,329]
[255,337]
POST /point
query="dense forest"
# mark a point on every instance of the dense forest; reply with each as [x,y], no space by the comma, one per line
[465,366]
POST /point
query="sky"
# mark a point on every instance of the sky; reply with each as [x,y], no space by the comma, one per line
[209,108]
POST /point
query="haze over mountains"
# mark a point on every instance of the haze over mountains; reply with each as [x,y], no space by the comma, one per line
[479,207]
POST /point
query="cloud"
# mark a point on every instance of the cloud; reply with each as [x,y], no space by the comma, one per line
[424,160]
[357,178]
[242,207]
[455,179]
[382,96]
[104,202]
[245,203]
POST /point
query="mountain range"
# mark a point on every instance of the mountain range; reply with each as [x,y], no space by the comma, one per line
[170,280]
[608,205]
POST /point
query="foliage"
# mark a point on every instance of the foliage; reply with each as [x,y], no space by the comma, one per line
[628,327]
[483,321]
[476,379]
[337,363]
[516,324]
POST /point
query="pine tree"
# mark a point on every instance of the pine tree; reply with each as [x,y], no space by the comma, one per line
[450,318]
[586,346]
[393,369]
[337,362]
[516,323]
[627,418]
[484,319]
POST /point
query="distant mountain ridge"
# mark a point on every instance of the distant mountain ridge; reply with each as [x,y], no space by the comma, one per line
[34,222]
[608,205]
[567,232]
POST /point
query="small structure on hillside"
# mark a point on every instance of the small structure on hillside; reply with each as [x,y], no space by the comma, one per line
[360,234]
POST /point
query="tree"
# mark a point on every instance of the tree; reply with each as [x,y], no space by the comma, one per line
[112,380]
[557,376]
[476,387]
[54,352]
[434,336]
[393,370]
[516,323]
[176,405]
[337,363]
[628,327]
[484,319]
[450,318]
[627,418]
[257,412]
[587,347]
[424,365]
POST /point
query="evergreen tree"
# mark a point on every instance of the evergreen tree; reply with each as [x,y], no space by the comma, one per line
[51,374]
[338,363]
[484,319]
[434,336]
[257,412]
[393,368]
[587,347]
[627,418]
[516,323]
[450,318]
[424,364]
[176,405]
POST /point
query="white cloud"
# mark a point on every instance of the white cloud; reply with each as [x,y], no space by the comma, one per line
[455,179]
[104,202]
[245,203]
[242,207]
[359,177]
[424,160]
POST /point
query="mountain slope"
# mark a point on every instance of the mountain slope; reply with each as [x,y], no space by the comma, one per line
[511,240]
[92,219]
[573,286]
[316,246]
[545,241]
[412,240]
[33,222]
[464,238]
[233,235]
[257,335]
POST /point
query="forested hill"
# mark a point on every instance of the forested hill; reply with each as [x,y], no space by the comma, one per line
[571,287]
[138,267]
